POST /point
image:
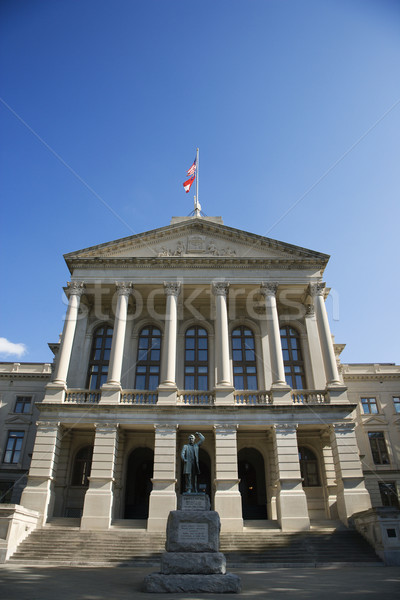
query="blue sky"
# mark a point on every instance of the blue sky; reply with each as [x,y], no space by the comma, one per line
[295,107]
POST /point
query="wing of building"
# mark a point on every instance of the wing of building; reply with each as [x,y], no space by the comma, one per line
[199,327]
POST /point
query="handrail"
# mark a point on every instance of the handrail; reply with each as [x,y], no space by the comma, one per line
[309,397]
[195,397]
[251,397]
[80,396]
[139,397]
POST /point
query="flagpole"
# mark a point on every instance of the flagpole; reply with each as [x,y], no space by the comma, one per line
[197,178]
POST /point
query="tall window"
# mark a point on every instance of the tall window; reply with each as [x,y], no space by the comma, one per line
[308,467]
[292,358]
[148,359]
[100,357]
[388,494]
[13,447]
[23,404]
[378,447]
[369,406]
[82,466]
[196,359]
[244,359]
[396,402]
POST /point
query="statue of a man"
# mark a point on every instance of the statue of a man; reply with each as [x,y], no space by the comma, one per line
[190,458]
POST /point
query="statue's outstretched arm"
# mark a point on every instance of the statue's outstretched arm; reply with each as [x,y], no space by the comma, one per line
[201,438]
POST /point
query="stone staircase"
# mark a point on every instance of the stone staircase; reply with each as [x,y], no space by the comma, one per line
[56,544]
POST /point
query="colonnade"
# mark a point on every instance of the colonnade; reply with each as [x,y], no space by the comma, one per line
[317,329]
[292,511]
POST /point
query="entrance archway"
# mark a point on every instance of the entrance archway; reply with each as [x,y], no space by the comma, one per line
[138,486]
[251,473]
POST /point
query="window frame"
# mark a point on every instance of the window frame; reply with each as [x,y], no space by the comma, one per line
[381,447]
[290,363]
[13,449]
[368,404]
[396,404]
[391,493]
[79,467]
[24,400]
[148,363]
[244,363]
[102,363]
[305,464]
[196,364]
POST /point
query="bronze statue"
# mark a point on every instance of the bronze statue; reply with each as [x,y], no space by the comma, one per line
[190,458]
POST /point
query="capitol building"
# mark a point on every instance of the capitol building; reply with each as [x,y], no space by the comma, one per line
[198,327]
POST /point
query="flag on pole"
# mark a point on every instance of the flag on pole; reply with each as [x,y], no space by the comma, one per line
[188,184]
[193,168]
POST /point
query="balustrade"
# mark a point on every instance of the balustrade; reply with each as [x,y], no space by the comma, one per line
[196,397]
[83,396]
[139,397]
[309,397]
[251,398]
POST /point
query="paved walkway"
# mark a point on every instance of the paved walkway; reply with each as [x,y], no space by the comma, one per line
[113,583]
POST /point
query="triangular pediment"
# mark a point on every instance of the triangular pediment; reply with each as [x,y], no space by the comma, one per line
[374,421]
[18,420]
[197,238]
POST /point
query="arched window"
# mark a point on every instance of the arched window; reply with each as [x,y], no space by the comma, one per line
[148,359]
[196,359]
[292,358]
[308,467]
[100,357]
[244,359]
[82,466]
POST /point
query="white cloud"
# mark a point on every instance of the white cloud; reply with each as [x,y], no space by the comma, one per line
[8,348]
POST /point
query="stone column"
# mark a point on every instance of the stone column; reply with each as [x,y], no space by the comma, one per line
[39,492]
[227,499]
[317,363]
[97,509]
[331,371]
[352,495]
[223,388]
[167,389]
[111,390]
[74,292]
[291,500]
[330,491]
[163,495]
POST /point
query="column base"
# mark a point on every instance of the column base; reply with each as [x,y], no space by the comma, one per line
[167,395]
[281,394]
[160,505]
[351,501]
[292,507]
[55,392]
[228,503]
[224,395]
[37,496]
[110,394]
[337,393]
[98,503]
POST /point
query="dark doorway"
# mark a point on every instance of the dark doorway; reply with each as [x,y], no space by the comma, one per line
[252,484]
[138,483]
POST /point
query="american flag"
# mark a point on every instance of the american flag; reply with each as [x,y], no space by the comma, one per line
[192,169]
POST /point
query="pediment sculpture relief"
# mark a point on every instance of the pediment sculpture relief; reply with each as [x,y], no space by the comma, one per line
[197,244]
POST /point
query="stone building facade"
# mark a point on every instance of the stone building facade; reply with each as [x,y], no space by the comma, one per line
[197,326]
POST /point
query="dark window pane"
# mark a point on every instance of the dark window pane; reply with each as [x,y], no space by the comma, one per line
[202,332]
[140,382]
[153,382]
[238,380]
[155,355]
[237,369]
[203,343]
[189,355]
[155,343]
[202,382]
[249,343]
[236,344]
[202,355]
[189,382]
[190,332]
[250,355]
[237,355]
[190,343]
[189,369]
[236,332]
[284,343]
[143,342]
[106,355]
[251,382]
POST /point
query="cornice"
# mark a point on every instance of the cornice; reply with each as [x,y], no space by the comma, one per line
[369,376]
[171,262]
[10,375]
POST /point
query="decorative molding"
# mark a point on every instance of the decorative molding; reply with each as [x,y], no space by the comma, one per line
[268,289]
[220,288]
[172,288]
[197,244]
[310,310]
[225,429]
[285,428]
[165,428]
[75,288]
[124,288]
[316,289]
[344,427]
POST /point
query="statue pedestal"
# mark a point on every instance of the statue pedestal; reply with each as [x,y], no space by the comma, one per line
[192,562]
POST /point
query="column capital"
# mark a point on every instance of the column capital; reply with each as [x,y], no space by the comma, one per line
[124,288]
[106,427]
[75,288]
[225,429]
[220,288]
[165,428]
[285,428]
[172,288]
[317,289]
[48,426]
[268,289]
[344,427]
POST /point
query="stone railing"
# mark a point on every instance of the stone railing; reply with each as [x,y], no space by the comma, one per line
[381,528]
[138,397]
[251,398]
[16,523]
[195,398]
[82,396]
[309,397]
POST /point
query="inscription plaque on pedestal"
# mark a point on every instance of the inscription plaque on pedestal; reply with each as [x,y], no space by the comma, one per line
[194,502]
[193,532]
